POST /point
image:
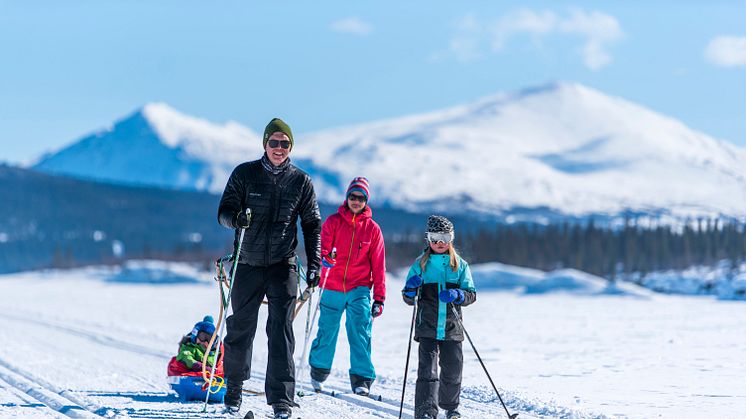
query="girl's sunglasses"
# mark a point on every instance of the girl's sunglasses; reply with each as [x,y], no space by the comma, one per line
[279,143]
[356,197]
[439,237]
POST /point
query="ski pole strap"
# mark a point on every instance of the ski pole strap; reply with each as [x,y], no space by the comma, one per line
[301,271]
[306,294]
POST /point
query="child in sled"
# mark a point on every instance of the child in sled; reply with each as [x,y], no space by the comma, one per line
[438,281]
[193,346]
[185,371]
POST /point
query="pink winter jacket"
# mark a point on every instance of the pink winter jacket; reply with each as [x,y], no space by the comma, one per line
[361,260]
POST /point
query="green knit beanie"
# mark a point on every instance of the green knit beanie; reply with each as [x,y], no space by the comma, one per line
[277,125]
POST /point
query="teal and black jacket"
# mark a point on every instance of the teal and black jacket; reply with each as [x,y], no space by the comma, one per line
[434,318]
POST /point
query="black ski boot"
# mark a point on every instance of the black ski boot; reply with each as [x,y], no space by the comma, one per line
[453,414]
[233,398]
[282,411]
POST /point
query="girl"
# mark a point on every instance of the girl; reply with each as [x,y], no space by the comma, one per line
[439,279]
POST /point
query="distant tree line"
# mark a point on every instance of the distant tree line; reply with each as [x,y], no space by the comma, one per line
[49,221]
[602,251]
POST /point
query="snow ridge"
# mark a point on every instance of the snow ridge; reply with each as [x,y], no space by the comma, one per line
[158,146]
[563,147]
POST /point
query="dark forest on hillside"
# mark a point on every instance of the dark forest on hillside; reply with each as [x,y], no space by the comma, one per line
[57,222]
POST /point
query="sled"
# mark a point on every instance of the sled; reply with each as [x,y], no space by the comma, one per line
[190,385]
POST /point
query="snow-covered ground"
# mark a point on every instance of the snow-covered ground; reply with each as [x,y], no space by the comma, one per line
[96,341]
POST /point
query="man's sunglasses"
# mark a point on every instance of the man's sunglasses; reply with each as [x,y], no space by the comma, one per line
[203,337]
[279,143]
[358,198]
[440,237]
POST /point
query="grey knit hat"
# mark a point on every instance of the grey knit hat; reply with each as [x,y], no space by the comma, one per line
[439,224]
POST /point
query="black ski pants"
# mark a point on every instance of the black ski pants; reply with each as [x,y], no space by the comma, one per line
[279,283]
[433,391]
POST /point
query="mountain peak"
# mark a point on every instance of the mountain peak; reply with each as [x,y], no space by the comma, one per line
[158,145]
[176,128]
[161,112]
[562,145]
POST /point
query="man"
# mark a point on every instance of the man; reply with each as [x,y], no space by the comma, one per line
[278,193]
[361,262]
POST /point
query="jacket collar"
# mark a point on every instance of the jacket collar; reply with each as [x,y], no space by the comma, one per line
[347,214]
[271,168]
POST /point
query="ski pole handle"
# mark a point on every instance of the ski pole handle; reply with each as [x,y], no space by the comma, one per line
[247,211]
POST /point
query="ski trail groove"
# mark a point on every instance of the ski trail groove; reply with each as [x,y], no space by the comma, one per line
[45,395]
[73,397]
[97,337]
[24,400]
[100,337]
[386,406]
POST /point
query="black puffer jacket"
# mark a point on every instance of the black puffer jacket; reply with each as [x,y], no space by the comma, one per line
[276,202]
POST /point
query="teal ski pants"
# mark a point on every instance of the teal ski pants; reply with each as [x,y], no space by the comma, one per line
[358,324]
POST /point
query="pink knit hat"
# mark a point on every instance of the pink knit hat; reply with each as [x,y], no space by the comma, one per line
[359,184]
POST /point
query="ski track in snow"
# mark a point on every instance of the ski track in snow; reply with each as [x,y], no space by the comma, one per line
[80,406]
[81,347]
[86,404]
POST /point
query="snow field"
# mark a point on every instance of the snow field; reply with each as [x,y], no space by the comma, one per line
[104,344]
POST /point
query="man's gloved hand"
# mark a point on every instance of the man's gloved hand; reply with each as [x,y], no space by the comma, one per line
[410,287]
[455,296]
[328,261]
[197,366]
[376,309]
[312,279]
[241,220]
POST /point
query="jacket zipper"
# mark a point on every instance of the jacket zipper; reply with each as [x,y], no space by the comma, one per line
[272,209]
[349,255]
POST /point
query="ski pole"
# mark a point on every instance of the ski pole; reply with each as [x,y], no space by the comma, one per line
[461,323]
[409,349]
[323,287]
[306,293]
[311,318]
[307,334]
[225,306]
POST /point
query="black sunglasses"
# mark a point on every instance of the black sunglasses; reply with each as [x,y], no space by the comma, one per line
[281,143]
[358,198]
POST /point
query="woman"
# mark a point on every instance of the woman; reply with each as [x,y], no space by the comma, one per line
[347,281]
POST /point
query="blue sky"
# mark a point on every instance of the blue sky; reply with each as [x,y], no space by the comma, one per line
[71,67]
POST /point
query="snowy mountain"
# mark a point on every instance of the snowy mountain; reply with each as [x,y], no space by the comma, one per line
[158,146]
[560,149]
[564,147]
